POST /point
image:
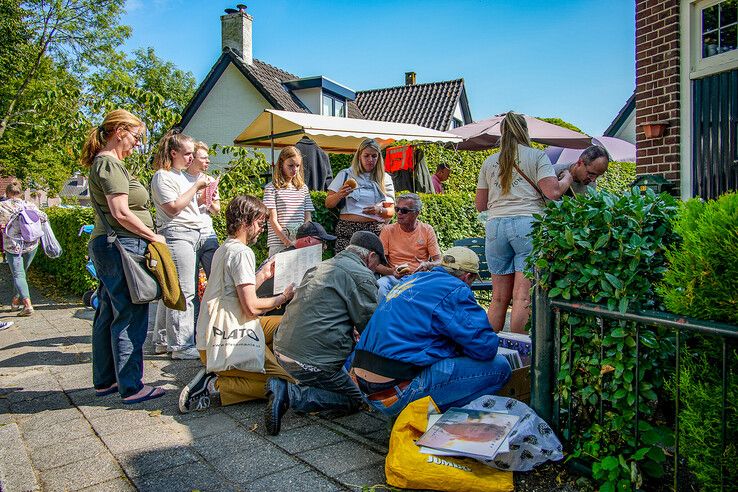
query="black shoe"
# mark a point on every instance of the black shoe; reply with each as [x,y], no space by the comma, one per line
[197,395]
[278,401]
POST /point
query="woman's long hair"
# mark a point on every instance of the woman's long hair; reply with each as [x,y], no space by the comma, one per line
[97,137]
[243,210]
[278,178]
[378,172]
[514,131]
[174,139]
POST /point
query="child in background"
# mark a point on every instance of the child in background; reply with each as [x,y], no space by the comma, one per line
[288,200]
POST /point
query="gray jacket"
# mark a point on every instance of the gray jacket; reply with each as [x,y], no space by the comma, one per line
[332,299]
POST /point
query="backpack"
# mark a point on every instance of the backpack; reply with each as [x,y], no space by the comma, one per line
[29,225]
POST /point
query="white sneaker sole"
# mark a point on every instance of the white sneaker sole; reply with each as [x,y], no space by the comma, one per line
[185,394]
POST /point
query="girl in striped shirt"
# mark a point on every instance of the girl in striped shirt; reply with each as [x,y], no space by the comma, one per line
[288,200]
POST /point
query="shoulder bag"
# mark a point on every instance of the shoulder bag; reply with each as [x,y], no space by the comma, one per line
[530,182]
[142,284]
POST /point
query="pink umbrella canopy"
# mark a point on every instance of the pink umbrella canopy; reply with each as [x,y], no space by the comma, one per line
[619,150]
[485,134]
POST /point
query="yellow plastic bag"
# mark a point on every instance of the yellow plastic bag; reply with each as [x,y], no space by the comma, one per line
[406,467]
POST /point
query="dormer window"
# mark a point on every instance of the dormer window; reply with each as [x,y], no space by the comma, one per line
[333,106]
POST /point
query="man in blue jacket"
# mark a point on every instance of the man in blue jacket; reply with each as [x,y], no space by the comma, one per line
[429,336]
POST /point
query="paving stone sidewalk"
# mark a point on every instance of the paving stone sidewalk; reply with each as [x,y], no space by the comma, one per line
[55,434]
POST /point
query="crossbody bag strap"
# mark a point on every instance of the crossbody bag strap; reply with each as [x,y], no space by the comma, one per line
[112,236]
[530,182]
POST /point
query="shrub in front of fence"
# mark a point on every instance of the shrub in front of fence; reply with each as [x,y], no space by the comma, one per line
[701,282]
[609,249]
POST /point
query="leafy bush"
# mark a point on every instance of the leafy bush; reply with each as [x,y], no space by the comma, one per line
[68,271]
[702,279]
[701,282]
[618,178]
[610,249]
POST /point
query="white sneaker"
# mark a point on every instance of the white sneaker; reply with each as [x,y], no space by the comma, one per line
[160,348]
[188,354]
[6,324]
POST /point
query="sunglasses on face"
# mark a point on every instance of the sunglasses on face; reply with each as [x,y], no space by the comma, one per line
[403,210]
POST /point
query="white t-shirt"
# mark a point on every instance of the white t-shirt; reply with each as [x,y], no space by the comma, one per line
[522,199]
[207,220]
[366,194]
[240,266]
[167,186]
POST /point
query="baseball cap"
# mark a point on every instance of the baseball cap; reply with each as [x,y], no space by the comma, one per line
[370,241]
[315,230]
[461,258]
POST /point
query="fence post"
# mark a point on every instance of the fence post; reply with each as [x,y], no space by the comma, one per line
[542,365]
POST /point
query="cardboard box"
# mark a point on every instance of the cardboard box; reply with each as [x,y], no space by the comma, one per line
[518,386]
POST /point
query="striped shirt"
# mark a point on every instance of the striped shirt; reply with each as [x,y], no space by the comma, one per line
[291,205]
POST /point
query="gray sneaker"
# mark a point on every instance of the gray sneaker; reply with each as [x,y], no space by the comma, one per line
[199,394]
[187,354]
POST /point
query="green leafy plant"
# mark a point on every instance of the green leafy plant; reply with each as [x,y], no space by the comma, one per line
[618,178]
[701,282]
[610,249]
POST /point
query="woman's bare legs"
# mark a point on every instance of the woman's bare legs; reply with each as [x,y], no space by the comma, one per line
[520,303]
[502,292]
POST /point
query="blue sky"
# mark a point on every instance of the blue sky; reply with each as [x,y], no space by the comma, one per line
[573,59]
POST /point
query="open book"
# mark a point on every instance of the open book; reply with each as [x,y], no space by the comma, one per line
[466,432]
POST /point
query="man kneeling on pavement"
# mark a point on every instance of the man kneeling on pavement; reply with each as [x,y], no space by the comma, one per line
[429,336]
[331,306]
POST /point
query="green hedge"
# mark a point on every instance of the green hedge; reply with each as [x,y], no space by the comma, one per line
[68,271]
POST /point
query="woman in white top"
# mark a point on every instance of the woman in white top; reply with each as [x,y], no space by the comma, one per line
[178,219]
[18,253]
[288,199]
[511,188]
[368,192]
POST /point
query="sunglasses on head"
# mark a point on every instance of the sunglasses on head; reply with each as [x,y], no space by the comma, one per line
[403,210]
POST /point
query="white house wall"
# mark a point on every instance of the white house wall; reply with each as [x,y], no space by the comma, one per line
[311,98]
[229,107]
[627,130]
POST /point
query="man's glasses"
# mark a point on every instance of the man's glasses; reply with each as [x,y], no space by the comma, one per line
[403,210]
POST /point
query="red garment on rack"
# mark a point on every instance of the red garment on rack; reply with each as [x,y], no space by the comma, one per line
[399,159]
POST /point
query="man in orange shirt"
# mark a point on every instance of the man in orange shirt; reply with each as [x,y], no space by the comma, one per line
[409,244]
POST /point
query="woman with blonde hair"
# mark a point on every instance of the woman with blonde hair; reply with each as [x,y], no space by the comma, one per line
[364,194]
[288,199]
[19,253]
[178,219]
[512,186]
[119,327]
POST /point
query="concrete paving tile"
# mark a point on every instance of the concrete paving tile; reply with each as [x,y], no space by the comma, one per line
[251,410]
[105,406]
[305,438]
[212,423]
[16,468]
[380,437]
[66,452]
[248,465]
[148,438]
[358,479]
[143,462]
[85,473]
[118,421]
[340,458]
[116,485]
[61,432]
[49,417]
[362,423]
[53,401]
[300,477]
[185,478]
[211,447]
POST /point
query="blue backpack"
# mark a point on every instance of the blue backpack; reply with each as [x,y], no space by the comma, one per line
[29,225]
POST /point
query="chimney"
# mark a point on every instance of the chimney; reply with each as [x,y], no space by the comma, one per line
[236,32]
[409,78]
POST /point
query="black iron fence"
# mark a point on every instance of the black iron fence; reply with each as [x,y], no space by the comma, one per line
[547,334]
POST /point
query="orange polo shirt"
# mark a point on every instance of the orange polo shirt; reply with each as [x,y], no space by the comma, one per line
[409,247]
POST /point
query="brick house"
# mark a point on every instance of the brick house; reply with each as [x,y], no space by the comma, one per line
[686,96]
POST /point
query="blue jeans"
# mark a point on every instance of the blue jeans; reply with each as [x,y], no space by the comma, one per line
[451,383]
[386,283]
[18,265]
[508,244]
[319,390]
[119,327]
[208,244]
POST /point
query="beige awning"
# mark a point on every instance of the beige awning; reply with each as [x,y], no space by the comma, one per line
[331,133]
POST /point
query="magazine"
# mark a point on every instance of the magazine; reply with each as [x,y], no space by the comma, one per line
[466,432]
[519,342]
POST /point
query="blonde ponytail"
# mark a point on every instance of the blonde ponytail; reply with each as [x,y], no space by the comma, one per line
[514,131]
[97,137]
[174,139]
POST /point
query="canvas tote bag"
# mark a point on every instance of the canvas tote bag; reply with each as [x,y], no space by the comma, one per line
[230,339]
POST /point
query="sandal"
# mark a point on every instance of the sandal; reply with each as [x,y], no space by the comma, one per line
[154,393]
[107,391]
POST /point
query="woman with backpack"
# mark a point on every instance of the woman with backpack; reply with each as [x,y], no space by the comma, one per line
[21,224]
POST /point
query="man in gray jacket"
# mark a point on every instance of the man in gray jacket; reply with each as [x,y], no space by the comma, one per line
[331,307]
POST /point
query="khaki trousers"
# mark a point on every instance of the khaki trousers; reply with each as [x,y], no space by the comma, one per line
[237,386]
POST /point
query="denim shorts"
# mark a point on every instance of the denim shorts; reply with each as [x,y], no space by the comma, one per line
[508,244]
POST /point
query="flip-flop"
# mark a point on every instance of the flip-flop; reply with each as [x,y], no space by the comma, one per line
[155,392]
[108,391]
